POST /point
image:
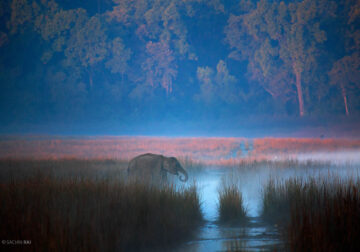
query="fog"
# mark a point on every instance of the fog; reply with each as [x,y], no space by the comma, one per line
[335,157]
[179,68]
[344,164]
[258,235]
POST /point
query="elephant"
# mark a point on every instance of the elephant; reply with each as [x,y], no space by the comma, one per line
[153,168]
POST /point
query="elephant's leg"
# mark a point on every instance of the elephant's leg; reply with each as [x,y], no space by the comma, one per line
[164,176]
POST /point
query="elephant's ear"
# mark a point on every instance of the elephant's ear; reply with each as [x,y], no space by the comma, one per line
[165,164]
[169,166]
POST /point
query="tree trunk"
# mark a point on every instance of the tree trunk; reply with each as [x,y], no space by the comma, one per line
[343,92]
[90,80]
[299,91]
[99,5]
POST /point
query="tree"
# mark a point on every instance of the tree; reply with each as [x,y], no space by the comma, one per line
[227,84]
[161,34]
[285,42]
[55,25]
[87,45]
[218,86]
[160,66]
[345,72]
[205,76]
[4,15]
[21,14]
[77,40]
[119,56]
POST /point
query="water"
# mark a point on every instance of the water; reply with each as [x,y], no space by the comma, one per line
[252,236]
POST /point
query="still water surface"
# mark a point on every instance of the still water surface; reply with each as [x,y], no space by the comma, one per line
[255,235]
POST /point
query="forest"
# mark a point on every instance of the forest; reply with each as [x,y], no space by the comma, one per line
[128,60]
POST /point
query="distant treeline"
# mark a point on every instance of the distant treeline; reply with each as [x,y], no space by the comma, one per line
[135,59]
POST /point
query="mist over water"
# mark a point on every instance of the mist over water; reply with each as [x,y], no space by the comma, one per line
[251,181]
[208,186]
[334,157]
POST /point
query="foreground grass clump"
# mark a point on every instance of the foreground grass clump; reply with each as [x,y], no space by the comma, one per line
[318,214]
[72,214]
[277,198]
[231,205]
[327,218]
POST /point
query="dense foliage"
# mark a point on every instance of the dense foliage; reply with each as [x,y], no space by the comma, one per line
[136,59]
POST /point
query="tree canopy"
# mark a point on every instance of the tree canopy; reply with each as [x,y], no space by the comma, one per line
[130,59]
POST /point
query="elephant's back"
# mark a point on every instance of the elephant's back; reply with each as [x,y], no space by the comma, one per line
[145,160]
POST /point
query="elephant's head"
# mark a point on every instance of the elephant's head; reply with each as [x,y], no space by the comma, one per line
[173,166]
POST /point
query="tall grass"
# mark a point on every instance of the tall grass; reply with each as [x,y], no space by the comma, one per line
[318,214]
[277,198]
[252,163]
[231,205]
[92,213]
[327,218]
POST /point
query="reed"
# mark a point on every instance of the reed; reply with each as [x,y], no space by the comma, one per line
[317,213]
[327,218]
[63,211]
[277,197]
[231,205]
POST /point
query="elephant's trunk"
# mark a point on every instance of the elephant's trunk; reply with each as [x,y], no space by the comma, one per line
[184,176]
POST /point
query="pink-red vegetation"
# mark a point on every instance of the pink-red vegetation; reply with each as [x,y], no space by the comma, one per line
[211,151]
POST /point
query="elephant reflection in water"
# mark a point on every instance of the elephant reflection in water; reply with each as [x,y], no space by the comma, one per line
[153,168]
